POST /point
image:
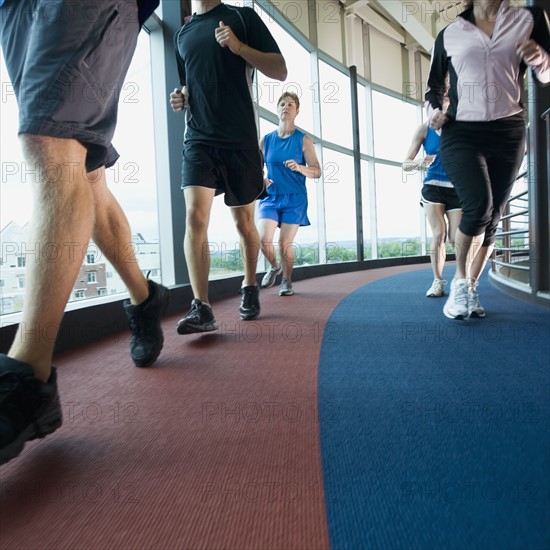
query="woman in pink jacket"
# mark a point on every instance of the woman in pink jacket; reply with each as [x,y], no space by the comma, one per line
[484,54]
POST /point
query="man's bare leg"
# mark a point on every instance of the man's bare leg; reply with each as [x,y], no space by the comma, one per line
[198,204]
[249,240]
[113,236]
[61,226]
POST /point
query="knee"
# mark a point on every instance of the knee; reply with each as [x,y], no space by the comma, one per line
[265,242]
[474,221]
[246,228]
[197,220]
[286,249]
[438,237]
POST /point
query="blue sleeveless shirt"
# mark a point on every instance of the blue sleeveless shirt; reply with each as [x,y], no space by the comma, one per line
[276,151]
[435,175]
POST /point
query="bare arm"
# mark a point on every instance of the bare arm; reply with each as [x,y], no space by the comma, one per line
[313,169]
[409,164]
[272,65]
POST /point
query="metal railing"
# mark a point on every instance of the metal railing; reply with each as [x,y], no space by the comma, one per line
[521,262]
[511,258]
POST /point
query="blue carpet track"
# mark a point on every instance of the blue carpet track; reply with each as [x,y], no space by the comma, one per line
[435,433]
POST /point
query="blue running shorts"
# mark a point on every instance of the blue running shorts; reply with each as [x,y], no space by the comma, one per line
[285,208]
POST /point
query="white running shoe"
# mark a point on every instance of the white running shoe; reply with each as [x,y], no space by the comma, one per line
[456,306]
[475,309]
[437,289]
[286,288]
[271,276]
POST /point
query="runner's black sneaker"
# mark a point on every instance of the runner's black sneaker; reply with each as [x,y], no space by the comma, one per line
[29,409]
[199,319]
[147,337]
[250,302]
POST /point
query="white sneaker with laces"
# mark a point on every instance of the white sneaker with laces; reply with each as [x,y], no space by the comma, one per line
[437,289]
[475,309]
[286,288]
[456,306]
[271,276]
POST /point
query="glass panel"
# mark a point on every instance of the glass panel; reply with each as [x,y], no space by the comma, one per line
[266,127]
[298,81]
[335,97]
[365,197]
[397,212]
[394,126]
[364,118]
[339,185]
[307,239]
[223,242]
[132,180]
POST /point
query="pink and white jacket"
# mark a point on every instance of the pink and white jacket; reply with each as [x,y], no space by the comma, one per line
[485,73]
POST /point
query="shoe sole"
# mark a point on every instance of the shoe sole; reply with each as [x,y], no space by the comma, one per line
[195,329]
[458,317]
[249,317]
[477,315]
[144,363]
[44,426]
[274,281]
[286,293]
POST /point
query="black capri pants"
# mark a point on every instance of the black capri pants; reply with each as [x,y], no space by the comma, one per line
[482,159]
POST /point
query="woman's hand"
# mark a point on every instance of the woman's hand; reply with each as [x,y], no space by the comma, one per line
[292,165]
[438,119]
[531,52]
[428,160]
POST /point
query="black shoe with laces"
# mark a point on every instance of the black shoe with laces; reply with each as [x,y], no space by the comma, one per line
[198,319]
[250,302]
[147,338]
[29,408]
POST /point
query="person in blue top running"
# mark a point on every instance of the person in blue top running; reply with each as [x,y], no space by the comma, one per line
[438,198]
[290,158]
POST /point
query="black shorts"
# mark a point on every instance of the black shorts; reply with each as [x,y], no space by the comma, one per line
[436,194]
[236,172]
[67,62]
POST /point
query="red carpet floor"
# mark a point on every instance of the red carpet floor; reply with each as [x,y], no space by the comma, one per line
[215,447]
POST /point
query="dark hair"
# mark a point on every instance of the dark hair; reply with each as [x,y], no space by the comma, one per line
[292,96]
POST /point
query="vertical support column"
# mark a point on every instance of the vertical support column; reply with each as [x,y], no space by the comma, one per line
[370,142]
[539,199]
[317,128]
[168,127]
[357,163]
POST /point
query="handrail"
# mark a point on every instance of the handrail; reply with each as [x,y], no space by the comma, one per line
[504,255]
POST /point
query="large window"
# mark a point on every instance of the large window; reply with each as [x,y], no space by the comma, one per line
[132,180]
[394,124]
[340,206]
[335,98]
[298,81]
[367,214]
[398,213]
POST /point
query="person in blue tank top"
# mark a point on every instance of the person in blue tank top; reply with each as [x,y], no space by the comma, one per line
[438,198]
[290,158]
